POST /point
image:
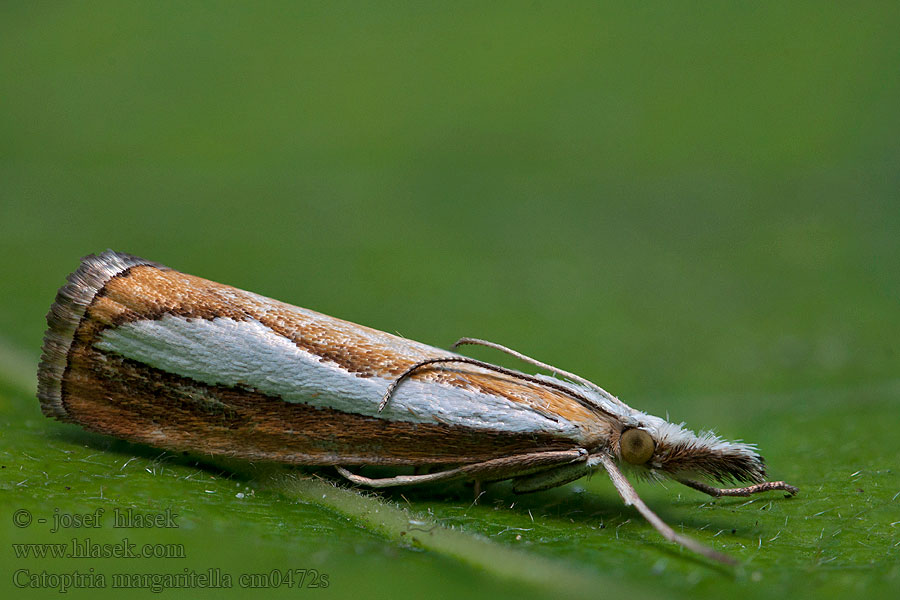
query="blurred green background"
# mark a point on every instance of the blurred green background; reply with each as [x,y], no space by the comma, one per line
[694,206]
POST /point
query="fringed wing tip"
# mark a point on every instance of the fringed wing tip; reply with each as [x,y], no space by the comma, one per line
[63,319]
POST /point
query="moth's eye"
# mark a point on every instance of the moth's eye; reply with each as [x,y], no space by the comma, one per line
[636,446]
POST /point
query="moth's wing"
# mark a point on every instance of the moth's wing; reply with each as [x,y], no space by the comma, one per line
[152,355]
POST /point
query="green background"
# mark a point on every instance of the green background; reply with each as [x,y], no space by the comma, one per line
[695,206]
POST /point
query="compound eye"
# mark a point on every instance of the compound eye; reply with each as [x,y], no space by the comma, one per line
[636,446]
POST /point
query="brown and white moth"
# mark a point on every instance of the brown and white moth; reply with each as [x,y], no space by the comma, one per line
[148,354]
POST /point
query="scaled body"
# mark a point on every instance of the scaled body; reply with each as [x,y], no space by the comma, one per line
[148,354]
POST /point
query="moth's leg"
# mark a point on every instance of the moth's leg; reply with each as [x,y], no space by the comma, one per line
[743,491]
[489,470]
[550,478]
[399,479]
[630,496]
[535,362]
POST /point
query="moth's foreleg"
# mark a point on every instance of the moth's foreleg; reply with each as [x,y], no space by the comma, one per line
[766,486]
[631,498]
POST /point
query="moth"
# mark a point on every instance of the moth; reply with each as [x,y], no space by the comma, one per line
[145,353]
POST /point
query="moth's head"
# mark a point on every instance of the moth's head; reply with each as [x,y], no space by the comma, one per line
[657,448]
